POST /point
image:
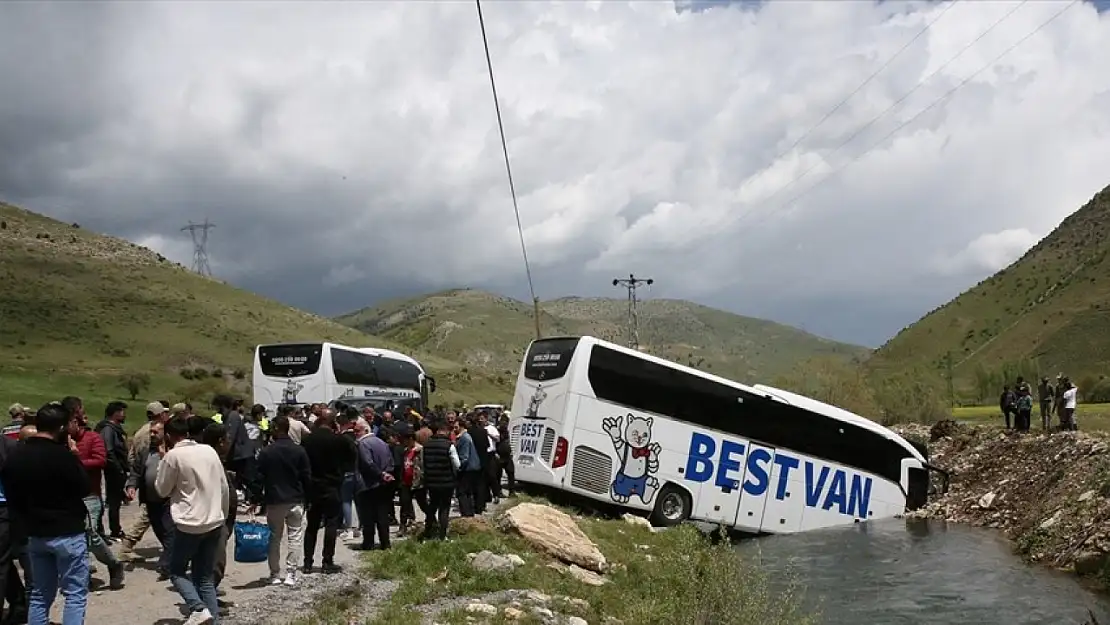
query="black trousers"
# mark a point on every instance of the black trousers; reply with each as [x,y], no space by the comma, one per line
[493,478]
[438,513]
[410,495]
[326,511]
[374,506]
[14,592]
[468,492]
[507,469]
[113,500]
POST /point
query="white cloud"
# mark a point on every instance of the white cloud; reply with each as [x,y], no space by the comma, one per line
[987,253]
[642,139]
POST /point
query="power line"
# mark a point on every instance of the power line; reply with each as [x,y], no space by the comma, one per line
[199,233]
[509,170]
[900,100]
[632,283]
[909,121]
[867,81]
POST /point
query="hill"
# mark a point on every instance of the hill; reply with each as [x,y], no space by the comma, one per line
[1047,312]
[490,332]
[78,309]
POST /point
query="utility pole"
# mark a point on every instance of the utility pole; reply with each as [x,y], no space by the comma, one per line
[536,316]
[632,283]
[199,232]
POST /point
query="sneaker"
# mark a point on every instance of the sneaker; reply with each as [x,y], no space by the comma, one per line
[331,569]
[203,617]
[275,580]
[291,579]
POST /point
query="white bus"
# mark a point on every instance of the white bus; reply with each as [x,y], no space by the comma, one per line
[302,373]
[601,421]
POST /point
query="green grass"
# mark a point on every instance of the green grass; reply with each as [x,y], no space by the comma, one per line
[78,309]
[669,577]
[1051,304]
[1092,417]
[489,332]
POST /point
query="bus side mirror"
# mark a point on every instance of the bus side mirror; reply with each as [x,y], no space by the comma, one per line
[431,384]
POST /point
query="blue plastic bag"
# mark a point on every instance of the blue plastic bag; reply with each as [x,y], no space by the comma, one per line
[252,541]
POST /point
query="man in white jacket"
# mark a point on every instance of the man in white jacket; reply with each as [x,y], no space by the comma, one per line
[192,476]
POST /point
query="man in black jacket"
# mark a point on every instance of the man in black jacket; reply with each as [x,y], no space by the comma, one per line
[10,542]
[286,481]
[330,455]
[116,467]
[439,478]
[45,485]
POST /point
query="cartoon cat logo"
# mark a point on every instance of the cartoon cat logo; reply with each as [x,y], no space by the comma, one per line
[534,403]
[289,393]
[639,458]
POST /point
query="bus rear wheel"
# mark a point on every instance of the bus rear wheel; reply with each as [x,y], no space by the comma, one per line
[672,507]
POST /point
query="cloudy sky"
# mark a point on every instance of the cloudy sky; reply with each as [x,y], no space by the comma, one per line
[348,152]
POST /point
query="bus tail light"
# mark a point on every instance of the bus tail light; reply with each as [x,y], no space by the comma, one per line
[560,458]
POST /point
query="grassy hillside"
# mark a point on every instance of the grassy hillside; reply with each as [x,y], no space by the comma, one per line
[78,309]
[1051,305]
[489,332]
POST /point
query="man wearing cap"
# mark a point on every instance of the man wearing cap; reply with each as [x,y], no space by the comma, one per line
[18,413]
[140,444]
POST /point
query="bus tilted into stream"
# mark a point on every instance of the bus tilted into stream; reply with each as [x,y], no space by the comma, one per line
[615,425]
[303,373]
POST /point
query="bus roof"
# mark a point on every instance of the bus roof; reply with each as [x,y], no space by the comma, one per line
[801,401]
[373,351]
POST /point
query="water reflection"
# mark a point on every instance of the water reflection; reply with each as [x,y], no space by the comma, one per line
[916,572]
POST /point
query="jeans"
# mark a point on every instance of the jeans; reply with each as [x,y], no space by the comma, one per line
[158,514]
[347,496]
[199,550]
[439,512]
[282,517]
[325,511]
[97,546]
[60,563]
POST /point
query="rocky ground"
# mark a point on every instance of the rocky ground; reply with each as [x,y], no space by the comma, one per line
[1048,492]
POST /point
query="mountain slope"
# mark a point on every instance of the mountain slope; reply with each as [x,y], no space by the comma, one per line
[489,331]
[75,302]
[1052,305]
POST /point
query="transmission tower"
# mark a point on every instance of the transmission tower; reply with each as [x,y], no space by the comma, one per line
[632,283]
[199,232]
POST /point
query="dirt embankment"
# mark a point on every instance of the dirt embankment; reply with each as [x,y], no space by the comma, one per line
[1049,493]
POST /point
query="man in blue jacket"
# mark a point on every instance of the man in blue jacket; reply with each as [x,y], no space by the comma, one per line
[375,496]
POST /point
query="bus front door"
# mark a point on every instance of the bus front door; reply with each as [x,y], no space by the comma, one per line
[719,494]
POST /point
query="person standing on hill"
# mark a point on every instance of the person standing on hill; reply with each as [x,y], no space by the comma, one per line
[1045,393]
[191,476]
[1058,404]
[45,486]
[1007,404]
[90,450]
[286,482]
[1024,406]
[116,466]
[1070,400]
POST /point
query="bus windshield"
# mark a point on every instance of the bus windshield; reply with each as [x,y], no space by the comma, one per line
[289,361]
[548,359]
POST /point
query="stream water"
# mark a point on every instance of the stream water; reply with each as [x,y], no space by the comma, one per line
[916,572]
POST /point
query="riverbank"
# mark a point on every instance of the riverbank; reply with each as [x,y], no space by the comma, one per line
[1049,493]
[531,562]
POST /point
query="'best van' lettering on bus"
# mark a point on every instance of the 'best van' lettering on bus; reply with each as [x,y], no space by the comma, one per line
[825,487]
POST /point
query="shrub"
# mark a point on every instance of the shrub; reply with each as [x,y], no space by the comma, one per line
[134,383]
[239,374]
[217,373]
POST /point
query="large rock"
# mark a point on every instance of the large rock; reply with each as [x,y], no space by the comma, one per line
[556,533]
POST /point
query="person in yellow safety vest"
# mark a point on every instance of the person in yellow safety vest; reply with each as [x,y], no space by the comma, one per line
[218,418]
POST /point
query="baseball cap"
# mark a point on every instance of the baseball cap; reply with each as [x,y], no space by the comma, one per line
[178,407]
[156,407]
[15,409]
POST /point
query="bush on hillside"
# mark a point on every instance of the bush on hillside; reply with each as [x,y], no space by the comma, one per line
[134,383]
[910,397]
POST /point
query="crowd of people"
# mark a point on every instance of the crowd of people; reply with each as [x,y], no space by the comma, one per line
[1059,398]
[305,469]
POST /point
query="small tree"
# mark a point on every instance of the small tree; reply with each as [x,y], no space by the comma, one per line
[134,383]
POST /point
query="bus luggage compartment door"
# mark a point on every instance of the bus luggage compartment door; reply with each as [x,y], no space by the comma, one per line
[758,471]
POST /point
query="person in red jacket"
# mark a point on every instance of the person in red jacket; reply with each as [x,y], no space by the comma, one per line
[89,447]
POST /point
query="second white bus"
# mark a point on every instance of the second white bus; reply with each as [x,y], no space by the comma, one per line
[302,373]
[612,424]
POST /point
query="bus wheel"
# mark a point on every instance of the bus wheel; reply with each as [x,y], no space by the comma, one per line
[672,506]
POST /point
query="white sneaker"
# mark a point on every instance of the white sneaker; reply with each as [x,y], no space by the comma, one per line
[291,579]
[275,580]
[204,617]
